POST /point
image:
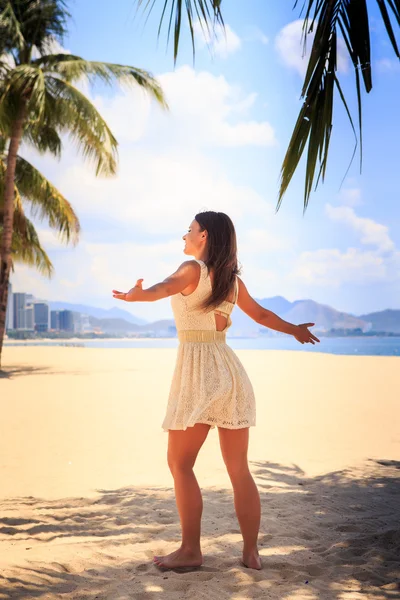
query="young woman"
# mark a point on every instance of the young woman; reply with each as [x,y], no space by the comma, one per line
[210,387]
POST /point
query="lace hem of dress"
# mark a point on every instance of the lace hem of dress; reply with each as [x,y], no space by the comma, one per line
[216,423]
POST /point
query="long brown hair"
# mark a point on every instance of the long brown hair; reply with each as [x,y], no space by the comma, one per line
[221,254]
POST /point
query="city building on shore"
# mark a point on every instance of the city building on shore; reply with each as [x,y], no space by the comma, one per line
[25,313]
[41,316]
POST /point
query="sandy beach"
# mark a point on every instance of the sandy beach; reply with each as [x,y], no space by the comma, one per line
[87,497]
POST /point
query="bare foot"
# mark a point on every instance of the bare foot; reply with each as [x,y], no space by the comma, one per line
[252,560]
[179,558]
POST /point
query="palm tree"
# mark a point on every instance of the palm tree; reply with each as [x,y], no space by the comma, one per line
[45,202]
[329,18]
[25,246]
[39,102]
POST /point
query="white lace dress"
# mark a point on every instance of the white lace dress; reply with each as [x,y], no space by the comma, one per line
[209,383]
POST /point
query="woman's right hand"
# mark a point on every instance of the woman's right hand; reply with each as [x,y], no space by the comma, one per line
[134,294]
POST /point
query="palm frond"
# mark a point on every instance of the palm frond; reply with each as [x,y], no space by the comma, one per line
[11,35]
[25,245]
[30,252]
[7,111]
[46,201]
[69,111]
[73,68]
[208,13]
[26,24]
[20,221]
[315,120]
[25,82]
[27,249]
[43,21]
[43,138]
[394,6]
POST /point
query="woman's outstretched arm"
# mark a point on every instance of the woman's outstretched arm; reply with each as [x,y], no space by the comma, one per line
[269,319]
[187,273]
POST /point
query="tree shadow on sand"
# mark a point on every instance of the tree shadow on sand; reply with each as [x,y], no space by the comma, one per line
[348,539]
[14,371]
[17,370]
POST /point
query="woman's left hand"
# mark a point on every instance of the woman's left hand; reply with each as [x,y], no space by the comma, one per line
[133,295]
[304,336]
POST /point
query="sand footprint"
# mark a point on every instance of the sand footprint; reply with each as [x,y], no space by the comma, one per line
[369,577]
[215,591]
[265,538]
[314,570]
[350,527]
[61,568]
[196,574]
[165,520]
[305,535]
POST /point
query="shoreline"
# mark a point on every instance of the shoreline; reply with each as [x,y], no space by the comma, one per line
[340,346]
[11,341]
[66,340]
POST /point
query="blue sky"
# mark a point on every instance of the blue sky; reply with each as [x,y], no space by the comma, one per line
[221,147]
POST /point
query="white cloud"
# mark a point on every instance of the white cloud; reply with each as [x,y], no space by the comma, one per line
[255,34]
[203,107]
[127,113]
[262,241]
[332,268]
[350,197]
[371,233]
[54,47]
[388,65]
[49,239]
[222,41]
[8,59]
[159,192]
[289,45]
[205,110]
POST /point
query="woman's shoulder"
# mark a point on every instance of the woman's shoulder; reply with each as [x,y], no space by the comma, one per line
[192,264]
[193,268]
[196,265]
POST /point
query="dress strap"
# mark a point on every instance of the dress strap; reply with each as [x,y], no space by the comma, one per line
[236,289]
[201,262]
[203,267]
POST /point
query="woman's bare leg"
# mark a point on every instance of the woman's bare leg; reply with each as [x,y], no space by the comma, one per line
[234,444]
[183,447]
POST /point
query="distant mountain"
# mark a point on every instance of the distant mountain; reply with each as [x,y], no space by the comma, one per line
[386,320]
[278,304]
[99,313]
[161,326]
[120,326]
[300,311]
[324,317]
[113,325]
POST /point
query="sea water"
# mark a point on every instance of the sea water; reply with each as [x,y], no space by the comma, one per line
[354,346]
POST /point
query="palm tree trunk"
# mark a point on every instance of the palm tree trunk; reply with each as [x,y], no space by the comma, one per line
[8,216]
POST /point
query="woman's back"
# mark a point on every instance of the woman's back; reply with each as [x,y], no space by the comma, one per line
[189,317]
